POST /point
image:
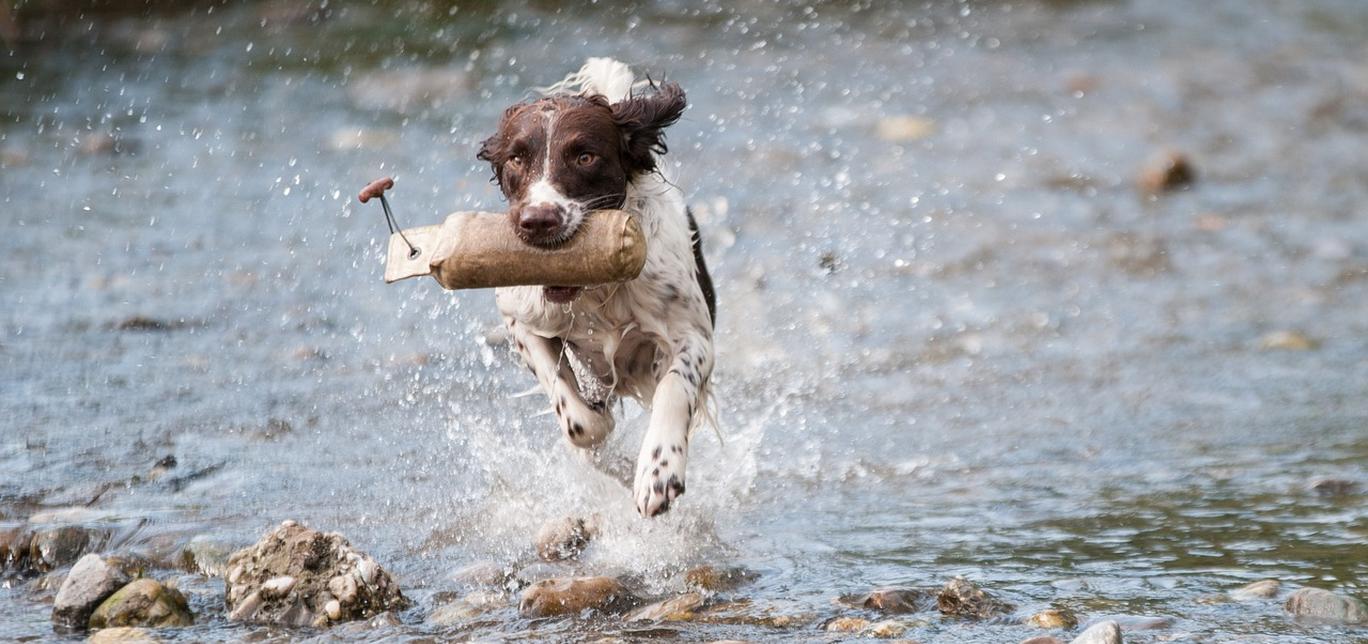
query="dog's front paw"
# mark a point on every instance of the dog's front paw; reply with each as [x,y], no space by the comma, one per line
[659,478]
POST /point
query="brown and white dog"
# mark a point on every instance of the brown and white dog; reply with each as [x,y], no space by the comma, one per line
[592,142]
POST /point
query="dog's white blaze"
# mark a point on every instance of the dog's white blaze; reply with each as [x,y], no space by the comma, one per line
[543,192]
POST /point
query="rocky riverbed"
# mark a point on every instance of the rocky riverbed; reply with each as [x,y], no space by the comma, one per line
[1038,319]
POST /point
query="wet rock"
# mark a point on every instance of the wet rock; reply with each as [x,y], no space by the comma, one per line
[572,595]
[847,625]
[1333,487]
[294,574]
[1054,618]
[905,128]
[144,602]
[887,629]
[1323,605]
[715,580]
[1165,171]
[744,612]
[90,582]
[563,538]
[57,547]
[961,598]
[122,635]
[1262,589]
[1043,639]
[468,607]
[893,600]
[1287,340]
[145,323]
[674,609]
[14,550]
[483,574]
[1107,632]
[1140,622]
[205,556]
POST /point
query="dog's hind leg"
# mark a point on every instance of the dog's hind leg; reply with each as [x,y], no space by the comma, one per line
[665,450]
[585,424]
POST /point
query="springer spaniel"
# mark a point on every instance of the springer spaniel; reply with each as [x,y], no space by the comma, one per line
[592,142]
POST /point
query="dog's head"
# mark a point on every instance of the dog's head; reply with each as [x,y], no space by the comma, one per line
[557,158]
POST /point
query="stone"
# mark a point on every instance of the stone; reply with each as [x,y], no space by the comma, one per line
[1262,589]
[744,612]
[713,579]
[1107,632]
[1165,171]
[847,625]
[674,609]
[1322,605]
[297,576]
[572,595]
[57,547]
[892,600]
[961,598]
[905,128]
[1333,487]
[1043,639]
[205,556]
[143,602]
[563,538]
[484,574]
[14,550]
[90,582]
[468,607]
[886,629]
[1287,340]
[122,635]
[1054,618]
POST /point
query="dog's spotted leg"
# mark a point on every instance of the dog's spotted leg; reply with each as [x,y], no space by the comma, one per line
[584,424]
[665,450]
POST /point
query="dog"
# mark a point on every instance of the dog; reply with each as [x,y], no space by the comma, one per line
[593,141]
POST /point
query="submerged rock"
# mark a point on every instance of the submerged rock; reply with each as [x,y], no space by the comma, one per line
[715,580]
[57,547]
[1043,639]
[572,595]
[1318,604]
[122,635]
[296,576]
[1054,618]
[483,574]
[205,556]
[470,606]
[1167,170]
[1107,632]
[1334,487]
[847,625]
[887,629]
[563,538]
[144,602]
[1262,589]
[961,598]
[893,600]
[675,609]
[1287,340]
[90,582]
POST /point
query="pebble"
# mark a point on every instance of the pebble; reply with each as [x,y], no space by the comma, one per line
[90,582]
[893,600]
[905,128]
[1323,605]
[886,629]
[1262,589]
[747,613]
[1054,618]
[1165,171]
[1043,639]
[122,635]
[847,625]
[675,609]
[563,538]
[1107,632]
[572,595]
[143,602]
[714,579]
[961,598]
[1287,340]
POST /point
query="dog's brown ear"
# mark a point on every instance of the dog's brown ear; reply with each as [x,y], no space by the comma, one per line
[495,148]
[642,121]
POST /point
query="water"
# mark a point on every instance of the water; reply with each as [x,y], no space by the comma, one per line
[980,352]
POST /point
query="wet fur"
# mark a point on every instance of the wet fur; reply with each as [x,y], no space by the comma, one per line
[649,338]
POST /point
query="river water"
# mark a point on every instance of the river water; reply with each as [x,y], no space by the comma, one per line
[960,343]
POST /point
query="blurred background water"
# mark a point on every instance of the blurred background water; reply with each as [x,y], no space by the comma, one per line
[955,336]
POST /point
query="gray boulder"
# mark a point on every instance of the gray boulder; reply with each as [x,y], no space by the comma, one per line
[1318,604]
[91,581]
[1108,632]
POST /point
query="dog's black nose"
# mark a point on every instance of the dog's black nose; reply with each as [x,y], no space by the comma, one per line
[539,222]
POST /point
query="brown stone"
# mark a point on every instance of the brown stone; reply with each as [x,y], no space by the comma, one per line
[143,602]
[572,595]
[961,598]
[1167,170]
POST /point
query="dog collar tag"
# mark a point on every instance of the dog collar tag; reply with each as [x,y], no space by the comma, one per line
[411,253]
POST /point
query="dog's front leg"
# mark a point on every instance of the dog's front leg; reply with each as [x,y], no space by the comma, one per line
[665,450]
[585,424]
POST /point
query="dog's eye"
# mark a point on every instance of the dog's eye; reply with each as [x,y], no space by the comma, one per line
[586,158]
[516,162]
